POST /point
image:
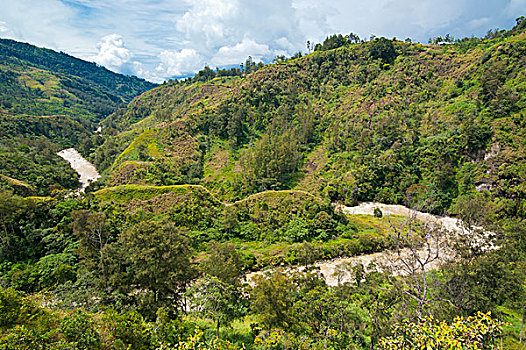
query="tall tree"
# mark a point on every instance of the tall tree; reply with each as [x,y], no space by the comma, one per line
[224,262]
[272,298]
[93,232]
[158,258]
[212,298]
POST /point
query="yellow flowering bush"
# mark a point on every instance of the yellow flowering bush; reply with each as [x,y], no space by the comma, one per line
[472,333]
[195,342]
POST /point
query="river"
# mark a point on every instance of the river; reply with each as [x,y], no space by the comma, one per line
[87,171]
[338,271]
[334,271]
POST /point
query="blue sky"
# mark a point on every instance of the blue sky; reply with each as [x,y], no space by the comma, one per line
[159,39]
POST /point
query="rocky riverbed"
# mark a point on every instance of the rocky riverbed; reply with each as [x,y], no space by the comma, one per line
[87,171]
[338,271]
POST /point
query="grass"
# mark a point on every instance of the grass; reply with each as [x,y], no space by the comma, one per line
[125,193]
[265,195]
[372,224]
[15,182]
[512,330]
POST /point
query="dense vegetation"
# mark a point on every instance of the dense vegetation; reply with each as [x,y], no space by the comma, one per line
[237,171]
[39,81]
[50,101]
[381,120]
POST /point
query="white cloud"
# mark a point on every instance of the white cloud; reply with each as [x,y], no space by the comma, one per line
[178,63]
[43,23]
[208,20]
[3,27]
[166,38]
[231,55]
[285,44]
[226,32]
[112,53]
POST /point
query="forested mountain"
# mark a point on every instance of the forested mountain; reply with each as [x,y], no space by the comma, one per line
[383,120]
[38,81]
[210,181]
[50,101]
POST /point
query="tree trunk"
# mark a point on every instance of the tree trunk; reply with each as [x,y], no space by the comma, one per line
[217,330]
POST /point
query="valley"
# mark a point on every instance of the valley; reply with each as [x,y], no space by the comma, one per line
[87,172]
[339,199]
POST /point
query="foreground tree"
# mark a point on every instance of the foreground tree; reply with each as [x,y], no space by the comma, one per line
[272,298]
[212,298]
[418,249]
[158,259]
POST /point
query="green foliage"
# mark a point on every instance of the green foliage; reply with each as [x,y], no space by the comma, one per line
[476,332]
[438,128]
[384,49]
[55,269]
[274,161]
[335,123]
[217,300]
[196,341]
[28,153]
[272,298]
[223,262]
[78,329]
[35,236]
[157,258]
[50,101]
[297,230]
[332,42]
[11,308]
[326,317]
[124,331]
[37,81]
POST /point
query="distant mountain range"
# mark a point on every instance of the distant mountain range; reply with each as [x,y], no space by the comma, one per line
[48,101]
[38,81]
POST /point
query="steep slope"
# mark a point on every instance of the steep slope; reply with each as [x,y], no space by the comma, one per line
[383,120]
[50,101]
[39,81]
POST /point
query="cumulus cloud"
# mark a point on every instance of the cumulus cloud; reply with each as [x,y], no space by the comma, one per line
[206,23]
[178,63]
[166,38]
[112,53]
[231,55]
[228,31]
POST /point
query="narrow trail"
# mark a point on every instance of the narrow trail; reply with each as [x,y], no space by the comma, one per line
[87,171]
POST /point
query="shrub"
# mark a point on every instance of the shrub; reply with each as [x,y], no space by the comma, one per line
[472,333]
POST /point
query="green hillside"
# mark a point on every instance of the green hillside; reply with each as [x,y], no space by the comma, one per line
[38,81]
[383,120]
[50,101]
[219,222]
